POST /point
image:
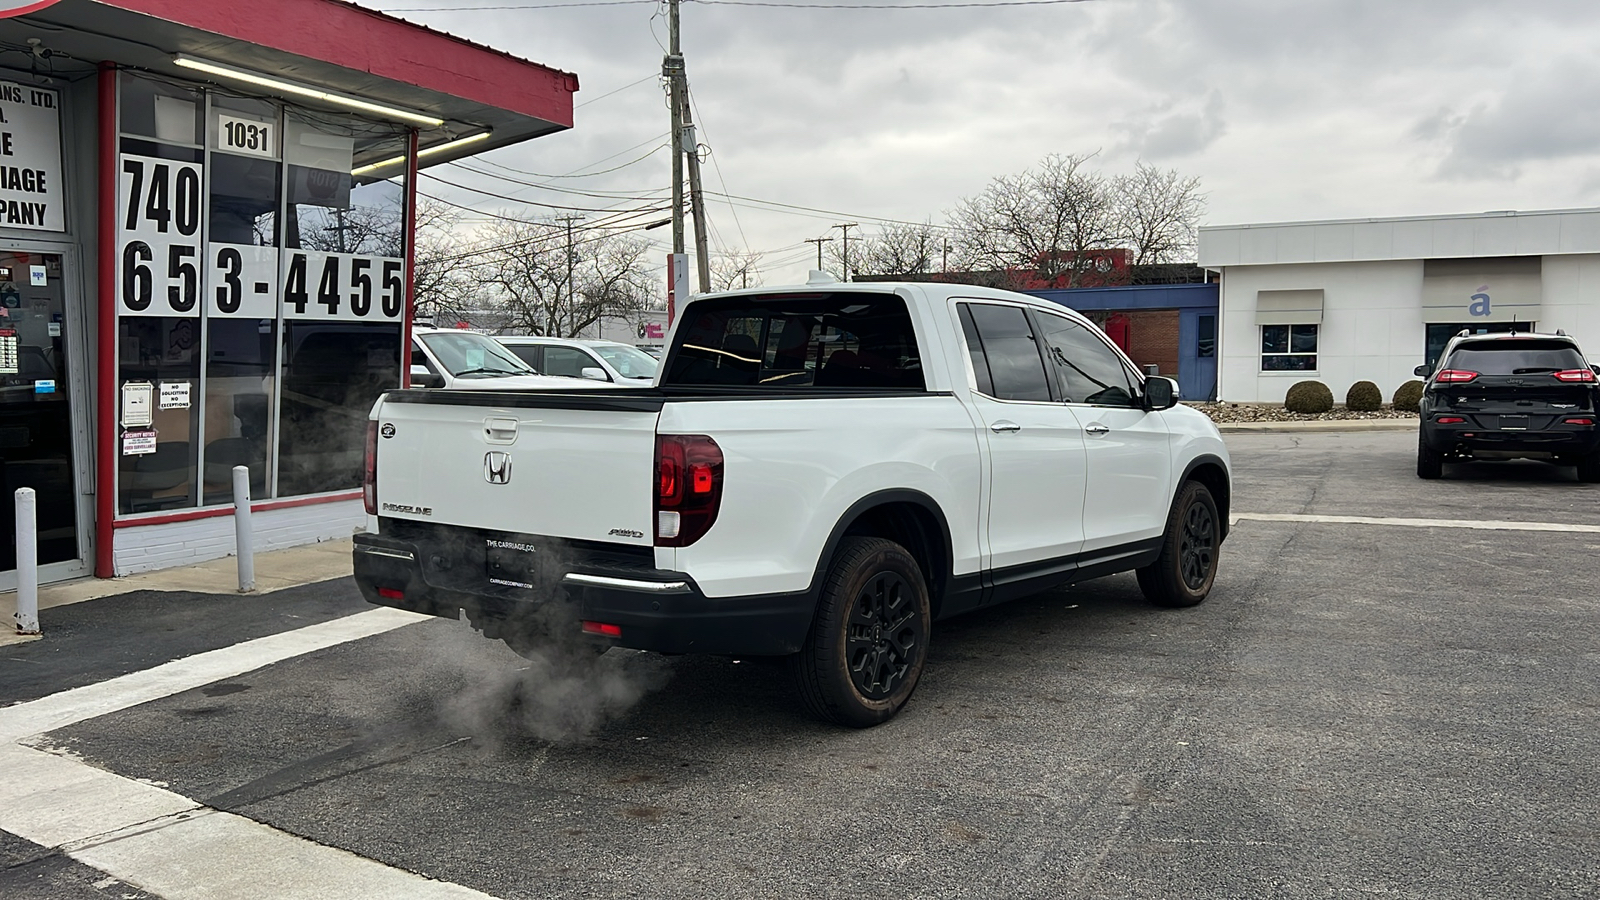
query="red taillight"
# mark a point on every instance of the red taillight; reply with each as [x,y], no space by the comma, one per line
[1579,421]
[369,471]
[1456,376]
[688,487]
[1575,376]
[391,593]
[1450,420]
[602,628]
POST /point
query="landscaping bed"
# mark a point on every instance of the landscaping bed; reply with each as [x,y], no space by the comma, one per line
[1274,412]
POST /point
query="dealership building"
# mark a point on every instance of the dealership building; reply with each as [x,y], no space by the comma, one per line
[206,220]
[1370,299]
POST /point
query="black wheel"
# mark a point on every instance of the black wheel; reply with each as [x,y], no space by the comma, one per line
[868,643]
[1182,575]
[1430,462]
[1589,468]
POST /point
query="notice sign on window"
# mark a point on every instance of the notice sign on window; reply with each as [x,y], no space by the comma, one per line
[174,395]
[138,443]
[30,158]
[136,404]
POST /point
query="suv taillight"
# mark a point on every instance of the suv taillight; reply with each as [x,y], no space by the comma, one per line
[369,471]
[688,487]
[1455,376]
[1576,375]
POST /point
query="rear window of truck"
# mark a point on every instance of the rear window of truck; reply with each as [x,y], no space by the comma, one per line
[1516,357]
[784,342]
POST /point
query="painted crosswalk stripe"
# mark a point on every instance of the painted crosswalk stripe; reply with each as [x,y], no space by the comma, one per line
[160,841]
[1476,524]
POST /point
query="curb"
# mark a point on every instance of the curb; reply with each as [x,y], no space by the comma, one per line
[1317,427]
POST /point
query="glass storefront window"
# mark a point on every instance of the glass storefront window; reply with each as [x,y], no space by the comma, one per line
[332,374]
[239,385]
[159,358]
[166,112]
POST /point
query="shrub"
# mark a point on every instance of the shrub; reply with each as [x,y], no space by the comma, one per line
[1408,396]
[1308,397]
[1363,396]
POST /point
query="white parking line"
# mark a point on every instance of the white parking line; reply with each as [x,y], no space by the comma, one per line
[1478,524]
[161,841]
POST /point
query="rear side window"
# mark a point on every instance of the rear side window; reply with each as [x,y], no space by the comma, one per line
[1516,357]
[844,340]
[1008,349]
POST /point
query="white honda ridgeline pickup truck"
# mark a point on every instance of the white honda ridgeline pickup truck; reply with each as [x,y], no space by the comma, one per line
[819,473]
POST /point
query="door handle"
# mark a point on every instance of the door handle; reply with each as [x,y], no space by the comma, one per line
[1004,425]
[1096,429]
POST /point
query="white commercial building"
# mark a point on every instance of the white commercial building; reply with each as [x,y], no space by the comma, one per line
[1370,299]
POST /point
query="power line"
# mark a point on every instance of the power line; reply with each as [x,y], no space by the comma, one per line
[825,213]
[575,173]
[510,199]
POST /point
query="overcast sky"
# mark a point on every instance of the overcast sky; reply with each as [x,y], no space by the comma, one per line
[1285,109]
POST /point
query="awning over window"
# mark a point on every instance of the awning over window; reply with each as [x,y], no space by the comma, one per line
[1289,307]
[1498,289]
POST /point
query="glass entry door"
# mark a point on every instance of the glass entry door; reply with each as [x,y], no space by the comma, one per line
[35,423]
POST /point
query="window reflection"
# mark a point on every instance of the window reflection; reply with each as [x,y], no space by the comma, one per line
[332,374]
[239,376]
[157,351]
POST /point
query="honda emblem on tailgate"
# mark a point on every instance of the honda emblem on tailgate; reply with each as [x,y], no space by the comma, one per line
[497,467]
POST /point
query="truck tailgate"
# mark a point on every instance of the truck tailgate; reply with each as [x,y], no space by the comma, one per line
[576,466]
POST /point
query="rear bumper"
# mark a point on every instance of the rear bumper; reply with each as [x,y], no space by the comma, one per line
[655,609]
[1466,438]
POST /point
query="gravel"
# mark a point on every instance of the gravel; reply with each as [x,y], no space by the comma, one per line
[1274,412]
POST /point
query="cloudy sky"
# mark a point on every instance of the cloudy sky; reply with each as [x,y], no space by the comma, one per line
[1306,109]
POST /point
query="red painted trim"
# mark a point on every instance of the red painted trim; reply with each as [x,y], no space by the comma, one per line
[105,480]
[189,515]
[24,10]
[411,260]
[368,41]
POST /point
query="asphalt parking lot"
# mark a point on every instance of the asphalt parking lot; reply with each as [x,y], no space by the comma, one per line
[1359,709]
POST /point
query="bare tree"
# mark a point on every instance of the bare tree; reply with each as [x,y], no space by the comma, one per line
[443,285]
[896,250]
[735,269]
[541,284]
[1158,213]
[1044,221]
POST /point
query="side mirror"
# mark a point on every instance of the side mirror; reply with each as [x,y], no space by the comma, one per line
[1422,371]
[594,373]
[1160,393]
[422,378]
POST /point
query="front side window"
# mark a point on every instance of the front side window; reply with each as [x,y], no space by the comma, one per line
[1010,352]
[1087,371]
[1288,348]
[843,340]
[567,361]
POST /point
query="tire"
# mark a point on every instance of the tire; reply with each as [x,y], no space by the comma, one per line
[1589,468]
[868,643]
[1430,462]
[1184,572]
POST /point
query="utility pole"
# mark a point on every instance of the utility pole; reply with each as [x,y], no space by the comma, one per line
[819,242]
[571,261]
[683,142]
[846,246]
[944,261]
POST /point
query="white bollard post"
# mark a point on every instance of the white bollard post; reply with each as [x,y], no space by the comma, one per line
[27,564]
[243,538]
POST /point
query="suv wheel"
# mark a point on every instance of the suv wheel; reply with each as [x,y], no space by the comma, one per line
[866,649]
[1182,575]
[1430,462]
[1589,468]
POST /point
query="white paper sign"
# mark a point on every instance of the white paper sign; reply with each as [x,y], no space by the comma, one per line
[136,404]
[8,351]
[158,237]
[30,158]
[138,443]
[342,286]
[251,137]
[174,395]
[244,281]
[38,276]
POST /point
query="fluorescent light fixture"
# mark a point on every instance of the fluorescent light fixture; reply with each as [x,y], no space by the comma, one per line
[300,90]
[436,148]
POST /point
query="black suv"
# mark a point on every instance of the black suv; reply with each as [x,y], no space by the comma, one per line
[1510,396]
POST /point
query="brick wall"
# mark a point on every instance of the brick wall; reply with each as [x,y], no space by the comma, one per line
[149,547]
[1153,338]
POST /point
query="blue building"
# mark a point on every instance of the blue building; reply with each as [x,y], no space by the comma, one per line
[1171,326]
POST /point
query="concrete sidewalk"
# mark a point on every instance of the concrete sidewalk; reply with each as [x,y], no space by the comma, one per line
[275,571]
